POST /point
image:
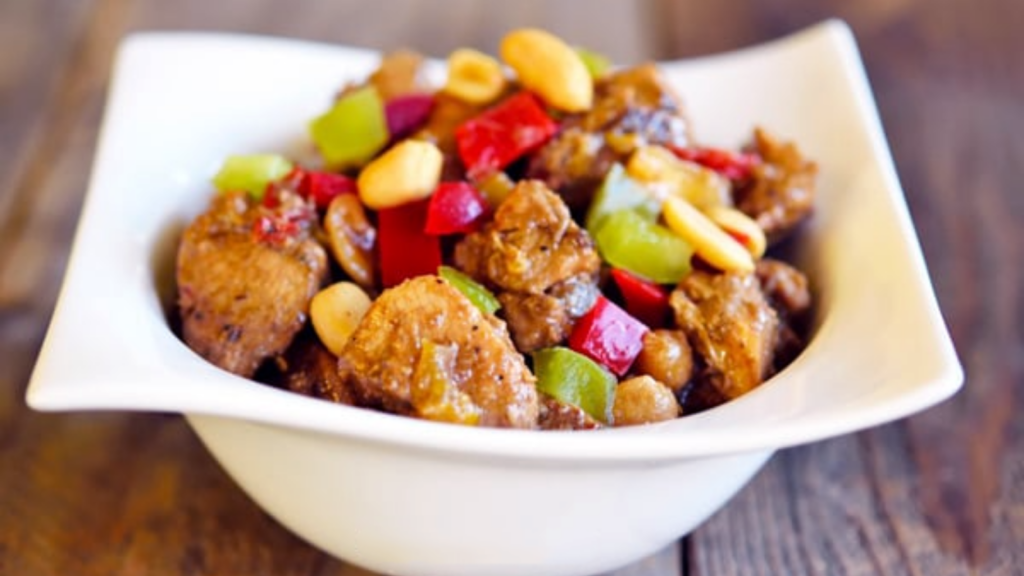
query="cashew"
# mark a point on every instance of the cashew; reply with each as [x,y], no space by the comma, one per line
[336,311]
[741,227]
[549,67]
[351,238]
[660,168]
[474,77]
[708,240]
[409,171]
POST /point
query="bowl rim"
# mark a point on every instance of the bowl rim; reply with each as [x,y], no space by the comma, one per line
[53,388]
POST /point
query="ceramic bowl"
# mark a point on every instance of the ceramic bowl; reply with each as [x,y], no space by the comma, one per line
[404,496]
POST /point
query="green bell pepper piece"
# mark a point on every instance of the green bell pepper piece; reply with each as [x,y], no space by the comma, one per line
[617,192]
[480,297]
[575,379]
[353,130]
[597,64]
[251,173]
[630,241]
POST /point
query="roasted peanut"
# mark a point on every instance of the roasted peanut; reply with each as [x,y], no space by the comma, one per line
[659,167]
[643,400]
[474,77]
[409,171]
[551,68]
[741,227]
[708,240]
[666,357]
[351,238]
[336,312]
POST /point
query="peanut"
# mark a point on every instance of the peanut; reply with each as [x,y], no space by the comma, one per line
[336,312]
[550,67]
[708,240]
[409,171]
[658,166]
[643,400]
[741,227]
[474,77]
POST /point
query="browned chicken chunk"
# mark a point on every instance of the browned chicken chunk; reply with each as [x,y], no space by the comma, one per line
[728,321]
[309,368]
[555,415]
[424,349]
[232,313]
[788,293]
[542,264]
[780,193]
[632,108]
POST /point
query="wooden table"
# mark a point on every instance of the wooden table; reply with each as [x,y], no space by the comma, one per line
[939,493]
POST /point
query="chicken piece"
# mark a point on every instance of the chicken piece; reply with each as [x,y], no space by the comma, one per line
[400,74]
[632,108]
[531,245]
[308,368]
[423,349]
[785,286]
[555,415]
[541,320]
[542,264]
[780,192]
[728,321]
[788,293]
[246,274]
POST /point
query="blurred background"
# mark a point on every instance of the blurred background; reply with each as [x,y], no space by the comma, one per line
[940,493]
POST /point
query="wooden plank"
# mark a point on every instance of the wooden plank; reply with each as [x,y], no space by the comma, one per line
[940,493]
[137,494]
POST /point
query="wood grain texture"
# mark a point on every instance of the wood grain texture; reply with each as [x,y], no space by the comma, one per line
[940,493]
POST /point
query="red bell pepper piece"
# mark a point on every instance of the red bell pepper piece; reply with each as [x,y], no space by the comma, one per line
[645,300]
[500,135]
[322,187]
[732,165]
[405,114]
[608,335]
[405,249]
[455,208]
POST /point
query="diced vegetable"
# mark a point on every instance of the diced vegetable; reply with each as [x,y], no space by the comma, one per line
[274,230]
[645,300]
[575,379]
[481,297]
[628,240]
[405,249]
[660,169]
[495,188]
[500,135]
[433,394]
[618,192]
[251,173]
[597,64]
[736,166]
[608,335]
[322,187]
[455,208]
[407,113]
[353,130]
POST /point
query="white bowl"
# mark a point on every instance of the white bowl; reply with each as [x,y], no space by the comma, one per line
[405,496]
